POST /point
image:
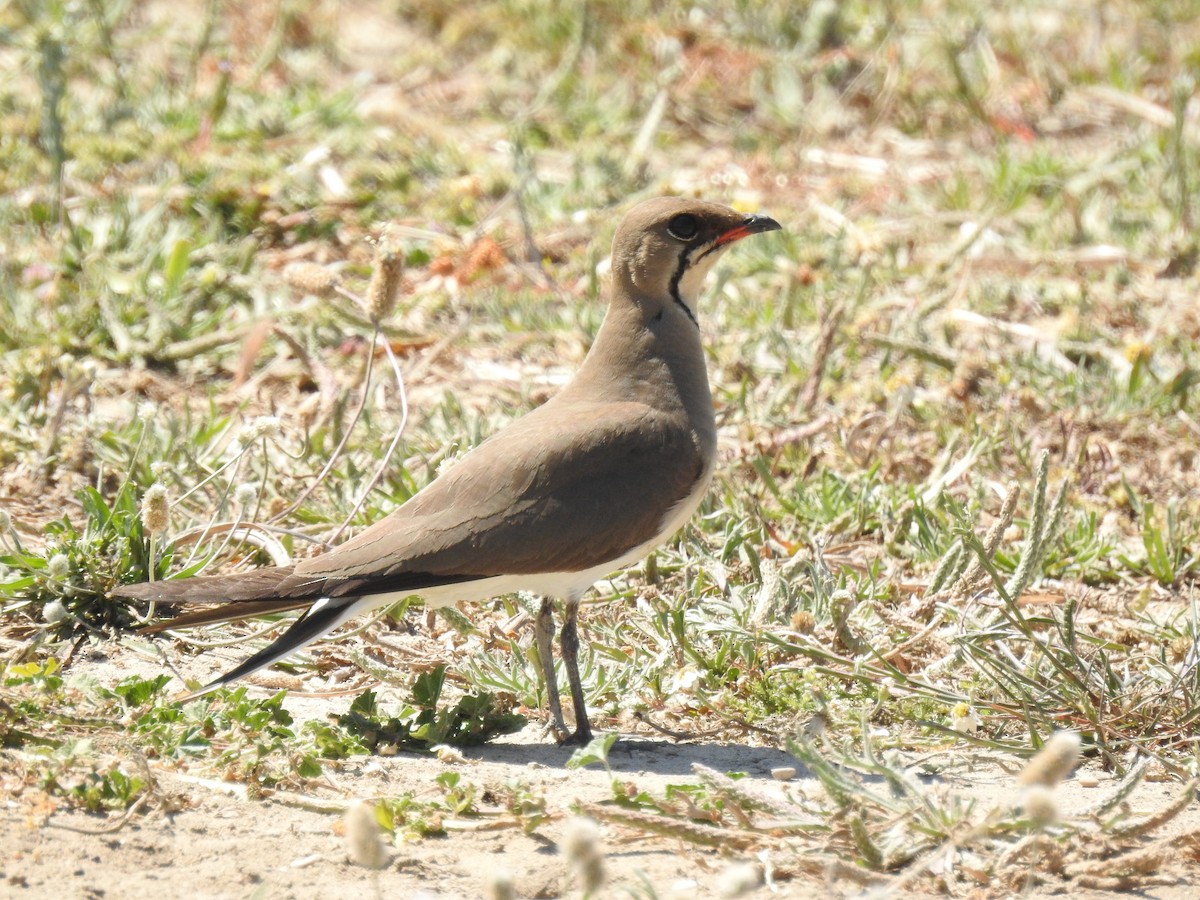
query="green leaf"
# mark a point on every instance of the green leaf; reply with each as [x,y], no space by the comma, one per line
[176,267]
[595,752]
[428,687]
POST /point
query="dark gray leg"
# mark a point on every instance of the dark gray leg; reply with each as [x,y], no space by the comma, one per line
[544,634]
[570,654]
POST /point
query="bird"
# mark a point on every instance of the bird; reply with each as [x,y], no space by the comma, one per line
[586,484]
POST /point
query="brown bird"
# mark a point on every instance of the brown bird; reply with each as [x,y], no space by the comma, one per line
[591,481]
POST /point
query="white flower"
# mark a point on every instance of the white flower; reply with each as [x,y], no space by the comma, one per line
[964,720]
[685,680]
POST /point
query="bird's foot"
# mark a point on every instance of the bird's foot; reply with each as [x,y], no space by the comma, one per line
[580,737]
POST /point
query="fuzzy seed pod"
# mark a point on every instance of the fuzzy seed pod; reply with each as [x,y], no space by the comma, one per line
[59,565]
[261,427]
[803,621]
[54,612]
[384,288]
[501,886]
[155,509]
[362,836]
[311,278]
[581,845]
[1054,762]
[1038,804]
[246,496]
[738,880]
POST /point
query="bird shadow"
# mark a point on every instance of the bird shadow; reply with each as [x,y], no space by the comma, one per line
[637,755]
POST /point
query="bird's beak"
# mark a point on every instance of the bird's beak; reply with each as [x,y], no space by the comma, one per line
[754,224]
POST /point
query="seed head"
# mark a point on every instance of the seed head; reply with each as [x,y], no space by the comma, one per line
[54,612]
[261,427]
[156,509]
[385,281]
[1053,762]
[59,565]
[311,278]
[581,845]
[804,621]
[362,836]
[447,462]
[246,495]
[1038,803]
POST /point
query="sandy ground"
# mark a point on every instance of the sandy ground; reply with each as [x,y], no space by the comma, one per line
[217,843]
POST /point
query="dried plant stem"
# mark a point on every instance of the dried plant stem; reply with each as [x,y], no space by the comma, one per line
[346,432]
[704,835]
[811,390]
[1160,818]
[387,456]
[920,637]
[186,638]
[198,346]
[924,352]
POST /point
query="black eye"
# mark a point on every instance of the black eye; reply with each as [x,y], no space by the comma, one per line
[683,226]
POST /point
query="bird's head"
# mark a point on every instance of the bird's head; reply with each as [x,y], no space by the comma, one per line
[665,247]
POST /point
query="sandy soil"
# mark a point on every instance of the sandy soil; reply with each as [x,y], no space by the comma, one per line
[214,842]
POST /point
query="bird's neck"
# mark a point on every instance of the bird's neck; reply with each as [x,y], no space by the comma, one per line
[650,352]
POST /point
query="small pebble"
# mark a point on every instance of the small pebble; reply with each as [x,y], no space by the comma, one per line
[783,773]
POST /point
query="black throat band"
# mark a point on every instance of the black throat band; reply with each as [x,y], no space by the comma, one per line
[680,268]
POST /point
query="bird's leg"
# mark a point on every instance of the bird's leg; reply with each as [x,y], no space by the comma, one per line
[570,654]
[544,633]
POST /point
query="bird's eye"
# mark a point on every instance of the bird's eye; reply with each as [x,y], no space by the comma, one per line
[683,226]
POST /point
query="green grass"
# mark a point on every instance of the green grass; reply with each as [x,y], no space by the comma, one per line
[985,289]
